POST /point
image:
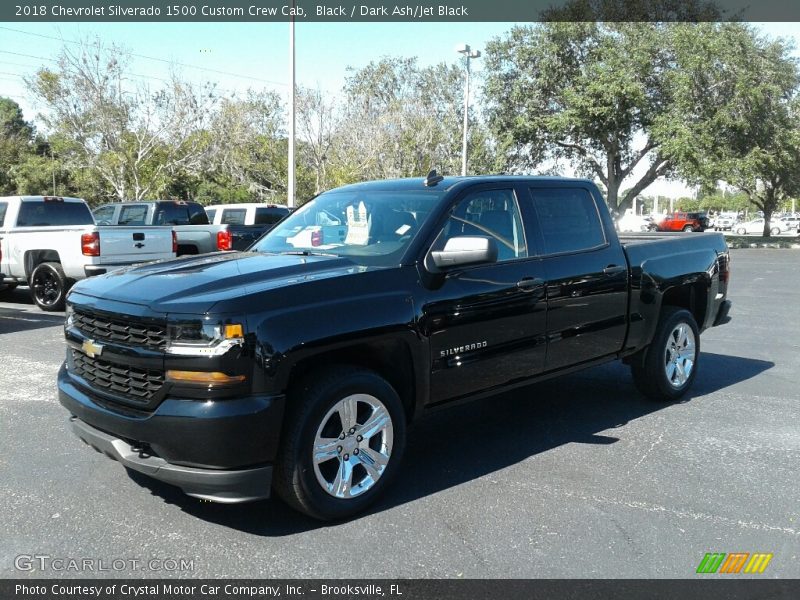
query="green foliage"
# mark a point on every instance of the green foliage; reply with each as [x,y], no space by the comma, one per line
[749,133]
[686,99]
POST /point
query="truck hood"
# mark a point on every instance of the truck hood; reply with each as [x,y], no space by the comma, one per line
[193,285]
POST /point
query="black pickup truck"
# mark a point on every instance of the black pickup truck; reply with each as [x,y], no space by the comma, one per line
[297,366]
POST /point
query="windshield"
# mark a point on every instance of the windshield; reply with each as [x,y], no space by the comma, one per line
[369,227]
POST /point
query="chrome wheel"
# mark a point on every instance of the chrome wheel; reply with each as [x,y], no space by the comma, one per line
[353,445]
[680,355]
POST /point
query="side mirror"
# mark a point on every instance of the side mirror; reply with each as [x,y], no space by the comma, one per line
[465,250]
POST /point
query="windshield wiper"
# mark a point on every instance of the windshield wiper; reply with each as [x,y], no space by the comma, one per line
[306,253]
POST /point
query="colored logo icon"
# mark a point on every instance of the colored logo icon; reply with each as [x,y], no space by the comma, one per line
[735,562]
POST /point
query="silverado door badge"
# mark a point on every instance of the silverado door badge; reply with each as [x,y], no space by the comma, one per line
[91,349]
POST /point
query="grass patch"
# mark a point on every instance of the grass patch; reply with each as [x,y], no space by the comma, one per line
[757,241]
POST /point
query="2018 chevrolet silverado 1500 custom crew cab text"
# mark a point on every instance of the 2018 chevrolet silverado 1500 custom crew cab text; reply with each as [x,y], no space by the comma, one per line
[196,235]
[297,365]
[49,242]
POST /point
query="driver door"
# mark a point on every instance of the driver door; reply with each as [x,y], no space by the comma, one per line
[486,323]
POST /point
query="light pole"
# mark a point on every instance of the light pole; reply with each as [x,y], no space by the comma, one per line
[290,191]
[468,53]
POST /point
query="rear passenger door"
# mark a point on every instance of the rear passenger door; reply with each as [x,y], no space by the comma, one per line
[586,274]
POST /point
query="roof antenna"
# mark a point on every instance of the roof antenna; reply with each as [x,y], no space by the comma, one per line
[433,178]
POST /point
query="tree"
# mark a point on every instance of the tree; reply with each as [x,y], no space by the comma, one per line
[16,137]
[602,96]
[247,147]
[753,141]
[402,120]
[134,137]
[317,123]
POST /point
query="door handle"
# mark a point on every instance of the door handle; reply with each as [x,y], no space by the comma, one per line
[528,284]
[613,269]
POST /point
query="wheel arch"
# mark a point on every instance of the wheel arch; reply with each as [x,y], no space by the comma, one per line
[33,258]
[390,358]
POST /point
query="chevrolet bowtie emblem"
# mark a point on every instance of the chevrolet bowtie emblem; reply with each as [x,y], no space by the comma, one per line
[91,349]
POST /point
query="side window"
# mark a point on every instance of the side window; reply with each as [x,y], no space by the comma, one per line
[53,212]
[488,213]
[171,213]
[568,219]
[197,215]
[104,215]
[268,216]
[3,209]
[132,215]
[233,216]
[211,212]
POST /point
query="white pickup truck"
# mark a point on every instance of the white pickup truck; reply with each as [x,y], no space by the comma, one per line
[49,242]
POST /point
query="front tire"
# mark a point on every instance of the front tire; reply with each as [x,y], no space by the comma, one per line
[669,365]
[741,231]
[775,231]
[49,286]
[688,228]
[343,441]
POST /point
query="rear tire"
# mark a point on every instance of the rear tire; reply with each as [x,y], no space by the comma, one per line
[331,469]
[688,228]
[668,366]
[775,231]
[49,286]
[741,231]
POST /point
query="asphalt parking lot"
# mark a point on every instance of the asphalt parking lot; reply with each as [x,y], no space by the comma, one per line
[575,477]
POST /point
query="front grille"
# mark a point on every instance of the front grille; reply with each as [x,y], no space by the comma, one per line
[130,331]
[131,383]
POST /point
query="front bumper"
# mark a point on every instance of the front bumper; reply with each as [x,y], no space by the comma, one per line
[208,484]
[214,449]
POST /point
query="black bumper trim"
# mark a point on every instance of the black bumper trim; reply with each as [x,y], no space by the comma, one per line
[208,484]
[93,270]
[722,313]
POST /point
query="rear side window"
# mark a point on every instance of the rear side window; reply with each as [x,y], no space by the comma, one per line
[568,219]
[197,215]
[133,215]
[104,215]
[233,216]
[268,216]
[211,212]
[55,212]
[171,213]
[3,209]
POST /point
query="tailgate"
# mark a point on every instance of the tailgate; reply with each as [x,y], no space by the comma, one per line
[124,245]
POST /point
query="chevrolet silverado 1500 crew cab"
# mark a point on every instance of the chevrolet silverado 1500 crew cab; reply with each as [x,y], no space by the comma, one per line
[196,235]
[50,242]
[297,365]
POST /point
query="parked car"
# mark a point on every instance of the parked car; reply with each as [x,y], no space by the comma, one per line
[246,221]
[188,219]
[299,367]
[724,222]
[50,242]
[631,222]
[756,226]
[681,221]
[789,223]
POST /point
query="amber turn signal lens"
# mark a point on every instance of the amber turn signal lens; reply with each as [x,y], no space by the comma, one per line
[233,331]
[204,377]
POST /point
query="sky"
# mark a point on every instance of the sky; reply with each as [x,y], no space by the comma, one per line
[238,56]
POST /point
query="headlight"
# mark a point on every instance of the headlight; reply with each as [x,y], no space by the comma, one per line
[69,312]
[206,337]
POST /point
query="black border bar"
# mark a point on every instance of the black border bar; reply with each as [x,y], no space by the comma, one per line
[703,587]
[395,10]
